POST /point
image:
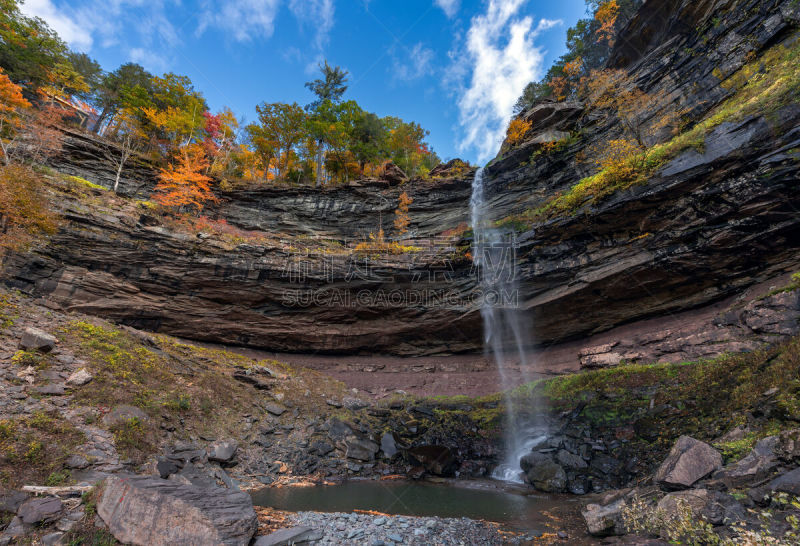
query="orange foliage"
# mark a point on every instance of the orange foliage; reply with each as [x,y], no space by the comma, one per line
[185,185]
[11,102]
[559,85]
[517,130]
[46,131]
[24,210]
[606,17]
[401,219]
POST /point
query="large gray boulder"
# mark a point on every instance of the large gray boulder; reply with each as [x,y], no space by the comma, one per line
[151,511]
[34,339]
[543,473]
[604,520]
[688,461]
[40,510]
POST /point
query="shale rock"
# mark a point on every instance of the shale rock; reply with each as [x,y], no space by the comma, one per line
[35,339]
[688,461]
[150,511]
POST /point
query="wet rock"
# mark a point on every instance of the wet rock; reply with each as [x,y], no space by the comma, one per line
[389,445]
[122,414]
[688,461]
[35,339]
[543,473]
[437,460]
[604,520]
[40,510]
[150,511]
[570,460]
[222,451]
[79,378]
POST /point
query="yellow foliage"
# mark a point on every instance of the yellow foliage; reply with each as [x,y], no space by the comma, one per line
[517,130]
[402,220]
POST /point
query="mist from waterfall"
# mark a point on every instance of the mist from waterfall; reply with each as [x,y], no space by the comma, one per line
[505,326]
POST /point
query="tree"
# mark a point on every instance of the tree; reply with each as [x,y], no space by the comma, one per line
[281,127]
[401,220]
[264,149]
[177,111]
[517,130]
[29,49]
[129,137]
[11,103]
[329,89]
[90,72]
[606,18]
[129,86]
[332,86]
[185,185]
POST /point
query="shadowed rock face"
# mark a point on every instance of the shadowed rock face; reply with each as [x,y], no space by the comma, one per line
[704,228]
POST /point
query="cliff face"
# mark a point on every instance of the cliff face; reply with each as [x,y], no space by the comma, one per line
[706,225]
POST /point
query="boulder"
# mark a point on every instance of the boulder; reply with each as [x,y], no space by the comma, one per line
[570,460]
[604,520]
[122,414]
[35,339]
[393,174]
[79,378]
[40,510]
[11,500]
[543,473]
[289,536]
[222,451]
[755,466]
[788,448]
[688,461]
[275,409]
[788,483]
[150,511]
[360,449]
[353,403]
[437,460]
[77,462]
[389,445]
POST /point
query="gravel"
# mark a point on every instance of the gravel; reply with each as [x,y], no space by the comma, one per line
[361,529]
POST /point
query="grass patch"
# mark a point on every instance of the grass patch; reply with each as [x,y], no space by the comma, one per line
[33,449]
[794,284]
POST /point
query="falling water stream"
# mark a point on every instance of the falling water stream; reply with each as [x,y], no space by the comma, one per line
[505,326]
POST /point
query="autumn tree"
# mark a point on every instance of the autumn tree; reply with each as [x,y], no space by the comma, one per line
[184,185]
[402,220]
[281,128]
[129,86]
[24,208]
[11,103]
[130,139]
[176,112]
[329,91]
[517,130]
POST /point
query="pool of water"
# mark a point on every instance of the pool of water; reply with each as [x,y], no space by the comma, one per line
[477,500]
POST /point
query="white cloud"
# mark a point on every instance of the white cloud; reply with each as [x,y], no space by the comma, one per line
[318,14]
[76,35]
[242,19]
[450,7]
[148,59]
[420,59]
[502,56]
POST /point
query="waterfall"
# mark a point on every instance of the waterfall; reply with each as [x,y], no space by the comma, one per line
[504,325]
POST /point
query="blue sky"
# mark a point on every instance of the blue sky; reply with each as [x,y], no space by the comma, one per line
[454,66]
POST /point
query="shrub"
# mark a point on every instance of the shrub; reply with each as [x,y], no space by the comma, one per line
[516,131]
[24,207]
